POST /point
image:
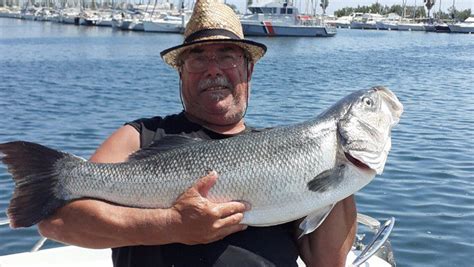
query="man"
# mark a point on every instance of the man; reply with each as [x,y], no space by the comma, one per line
[215,64]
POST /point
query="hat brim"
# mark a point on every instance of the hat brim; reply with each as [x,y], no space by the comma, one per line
[254,49]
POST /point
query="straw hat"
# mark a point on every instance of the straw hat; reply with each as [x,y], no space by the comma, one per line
[210,23]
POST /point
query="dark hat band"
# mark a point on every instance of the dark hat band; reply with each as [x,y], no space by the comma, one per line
[210,33]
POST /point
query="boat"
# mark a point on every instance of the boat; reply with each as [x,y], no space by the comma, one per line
[28,13]
[129,20]
[424,24]
[277,19]
[377,253]
[165,24]
[388,23]
[367,21]
[70,16]
[88,18]
[463,27]
[12,12]
[105,18]
[441,27]
[345,21]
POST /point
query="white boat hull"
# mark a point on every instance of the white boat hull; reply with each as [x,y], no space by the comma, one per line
[28,16]
[104,23]
[386,25]
[363,25]
[269,29]
[8,14]
[163,26]
[411,27]
[70,19]
[129,25]
[462,28]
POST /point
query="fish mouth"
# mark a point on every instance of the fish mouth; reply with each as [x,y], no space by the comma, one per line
[359,164]
[392,103]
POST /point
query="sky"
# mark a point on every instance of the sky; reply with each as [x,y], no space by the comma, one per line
[338,4]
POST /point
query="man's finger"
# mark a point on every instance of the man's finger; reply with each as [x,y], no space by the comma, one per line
[230,208]
[204,184]
[228,221]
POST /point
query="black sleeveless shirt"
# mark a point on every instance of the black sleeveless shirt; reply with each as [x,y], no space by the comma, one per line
[255,246]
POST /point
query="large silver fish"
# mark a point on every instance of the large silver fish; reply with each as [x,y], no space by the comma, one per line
[285,173]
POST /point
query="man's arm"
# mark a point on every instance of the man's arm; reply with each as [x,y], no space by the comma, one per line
[331,242]
[97,224]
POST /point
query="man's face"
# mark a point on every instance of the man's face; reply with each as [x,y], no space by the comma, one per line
[214,83]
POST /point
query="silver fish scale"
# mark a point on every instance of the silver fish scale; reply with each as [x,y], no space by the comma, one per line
[262,168]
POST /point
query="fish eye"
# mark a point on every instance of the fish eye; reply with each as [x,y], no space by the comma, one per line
[367,101]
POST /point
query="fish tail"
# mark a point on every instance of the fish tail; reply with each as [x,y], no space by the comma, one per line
[36,171]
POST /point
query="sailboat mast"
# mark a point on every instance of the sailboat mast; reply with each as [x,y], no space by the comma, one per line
[414,12]
[439,12]
[404,8]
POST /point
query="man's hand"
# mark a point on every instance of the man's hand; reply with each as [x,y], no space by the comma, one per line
[196,220]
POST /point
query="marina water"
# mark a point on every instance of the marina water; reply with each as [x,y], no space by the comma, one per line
[69,87]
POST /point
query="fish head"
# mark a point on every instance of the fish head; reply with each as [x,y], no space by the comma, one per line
[366,125]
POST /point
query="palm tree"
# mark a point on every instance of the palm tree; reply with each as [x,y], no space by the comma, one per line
[429,4]
[324,4]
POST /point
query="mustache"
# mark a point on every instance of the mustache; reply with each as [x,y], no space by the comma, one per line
[217,82]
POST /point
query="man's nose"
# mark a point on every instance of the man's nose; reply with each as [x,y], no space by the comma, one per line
[213,68]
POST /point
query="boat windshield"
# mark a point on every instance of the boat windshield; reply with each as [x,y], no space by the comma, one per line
[271,10]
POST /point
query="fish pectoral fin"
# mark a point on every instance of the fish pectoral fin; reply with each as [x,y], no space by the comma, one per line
[323,181]
[314,220]
[166,143]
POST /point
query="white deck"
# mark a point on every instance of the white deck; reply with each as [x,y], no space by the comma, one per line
[79,257]
[59,257]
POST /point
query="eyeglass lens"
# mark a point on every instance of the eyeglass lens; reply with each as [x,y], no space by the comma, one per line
[200,63]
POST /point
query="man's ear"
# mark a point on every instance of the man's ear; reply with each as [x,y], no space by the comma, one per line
[249,71]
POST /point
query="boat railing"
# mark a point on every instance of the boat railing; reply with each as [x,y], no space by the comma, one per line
[379,245]
[4,222]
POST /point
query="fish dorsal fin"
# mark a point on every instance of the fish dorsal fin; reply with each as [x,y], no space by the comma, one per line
[315,219]
[166,143]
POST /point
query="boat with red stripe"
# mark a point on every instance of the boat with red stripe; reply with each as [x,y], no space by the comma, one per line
[283,19]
